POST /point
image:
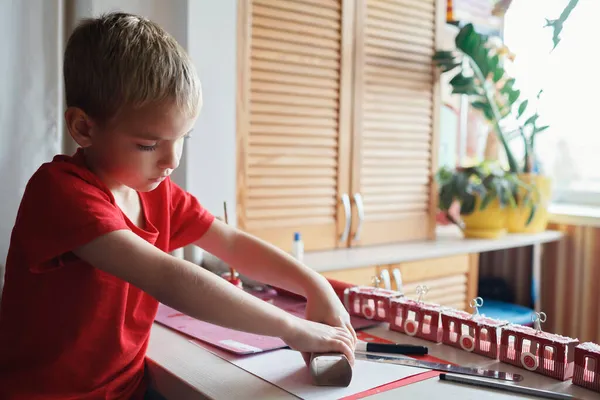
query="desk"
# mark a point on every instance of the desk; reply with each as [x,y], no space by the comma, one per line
[181,370]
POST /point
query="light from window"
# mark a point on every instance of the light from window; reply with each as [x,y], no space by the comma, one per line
[569,76]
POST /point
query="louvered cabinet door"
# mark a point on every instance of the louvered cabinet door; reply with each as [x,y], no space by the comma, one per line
[294,120]
[395,120]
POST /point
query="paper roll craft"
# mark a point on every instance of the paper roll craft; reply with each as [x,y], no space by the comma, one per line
[587,366]
[369,302]
[330,369]
[472,332]
[535,350]
[416,317]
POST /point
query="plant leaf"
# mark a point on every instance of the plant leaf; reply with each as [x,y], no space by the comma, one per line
[487,199]
[489,114]
[446,198]
[522,108]
[462,185]
[441,55]
[498,74]
[469,89]
[468,40]
[541,129]
[461,80]
[531,214]
[513,96]
[508,86]
[463,35]
[449,67]
[494,61]
[531,120]
[482,60]
[540,93]
[480,105]
[467,205]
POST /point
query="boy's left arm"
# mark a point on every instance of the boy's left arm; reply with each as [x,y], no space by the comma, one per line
[266,263]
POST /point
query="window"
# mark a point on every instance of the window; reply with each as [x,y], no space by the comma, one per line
[570,149]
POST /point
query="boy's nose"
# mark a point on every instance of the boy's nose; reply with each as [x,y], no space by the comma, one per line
[169,159]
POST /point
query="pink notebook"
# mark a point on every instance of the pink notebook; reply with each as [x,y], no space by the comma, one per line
[235,341]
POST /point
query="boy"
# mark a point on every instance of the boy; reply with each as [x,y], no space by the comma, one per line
[88,259]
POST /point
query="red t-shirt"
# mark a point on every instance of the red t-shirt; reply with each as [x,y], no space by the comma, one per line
[69,330]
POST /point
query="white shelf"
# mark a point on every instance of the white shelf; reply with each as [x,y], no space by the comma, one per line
[449,242]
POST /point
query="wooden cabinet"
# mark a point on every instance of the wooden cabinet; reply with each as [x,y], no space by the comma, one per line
[452,281]
[356,276]
[294,120]
[337,120]
[395,120]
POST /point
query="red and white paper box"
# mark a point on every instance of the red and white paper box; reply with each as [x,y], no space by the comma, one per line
[369,302]
[472,332]
[415,318]
[546,353]
[587,366]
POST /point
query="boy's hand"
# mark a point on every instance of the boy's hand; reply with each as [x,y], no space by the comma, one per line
[324,306]
[313,337]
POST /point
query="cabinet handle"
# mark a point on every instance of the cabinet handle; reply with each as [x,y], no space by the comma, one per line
[348,213]
[361,214]
[398,279]
[385,278]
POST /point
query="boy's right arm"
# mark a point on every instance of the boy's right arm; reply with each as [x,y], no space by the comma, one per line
[203,295]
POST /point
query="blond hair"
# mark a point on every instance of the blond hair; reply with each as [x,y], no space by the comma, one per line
[123,60]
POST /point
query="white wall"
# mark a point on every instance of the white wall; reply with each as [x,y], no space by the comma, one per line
[30,94]
[31,97]
[210,154]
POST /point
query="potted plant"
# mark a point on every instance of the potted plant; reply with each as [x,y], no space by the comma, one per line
[480,74]
[486,194]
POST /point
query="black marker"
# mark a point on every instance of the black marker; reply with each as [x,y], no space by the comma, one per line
[406,349]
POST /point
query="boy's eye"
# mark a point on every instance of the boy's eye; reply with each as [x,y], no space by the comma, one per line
[146,148]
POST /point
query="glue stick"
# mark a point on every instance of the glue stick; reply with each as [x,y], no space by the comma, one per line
[298,247]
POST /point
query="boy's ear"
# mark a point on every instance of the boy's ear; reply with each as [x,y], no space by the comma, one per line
[79,125]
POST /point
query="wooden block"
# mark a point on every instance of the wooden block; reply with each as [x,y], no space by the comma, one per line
[330,369]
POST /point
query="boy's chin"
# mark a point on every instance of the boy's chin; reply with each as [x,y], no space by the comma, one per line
[148,187]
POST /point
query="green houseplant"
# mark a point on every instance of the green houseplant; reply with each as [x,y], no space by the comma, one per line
[486,193]
[479,73]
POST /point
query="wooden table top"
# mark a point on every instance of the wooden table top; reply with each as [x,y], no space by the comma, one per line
[182,370]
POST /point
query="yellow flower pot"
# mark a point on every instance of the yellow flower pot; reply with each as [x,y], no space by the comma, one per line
[488,224]
[517,217]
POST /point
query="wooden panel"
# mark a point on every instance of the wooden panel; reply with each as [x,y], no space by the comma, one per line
[449,291]
[395,120]
[295,120]
[473,281]
[356,276]
[432,268]
[452,281]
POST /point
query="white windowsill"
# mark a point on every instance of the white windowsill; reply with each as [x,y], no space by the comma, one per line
[575,214]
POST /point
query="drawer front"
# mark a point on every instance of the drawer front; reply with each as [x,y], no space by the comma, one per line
[452,281]
[432,268]
[448,279]
[356,276]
